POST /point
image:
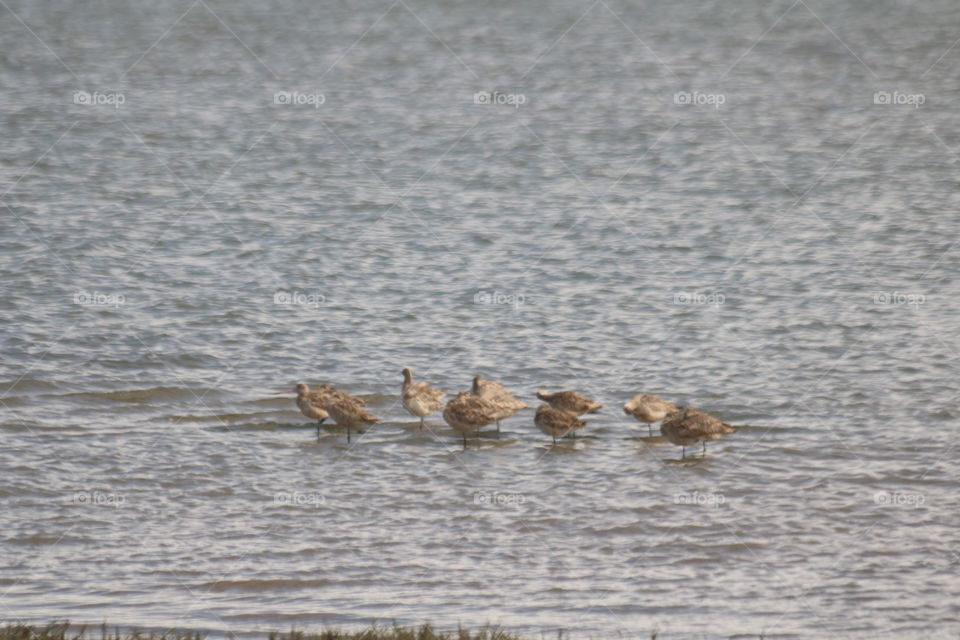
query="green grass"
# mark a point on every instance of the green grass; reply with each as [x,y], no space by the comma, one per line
[64,631]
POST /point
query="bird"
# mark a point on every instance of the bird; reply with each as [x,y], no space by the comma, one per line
[312,404]
[497,395]
[689,426]
[574,403]
[468,412]
[348,411]
[419,398]
[329,402]
[555,422]
[649,408]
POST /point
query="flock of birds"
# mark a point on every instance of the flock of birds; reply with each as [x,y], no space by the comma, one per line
[490,402]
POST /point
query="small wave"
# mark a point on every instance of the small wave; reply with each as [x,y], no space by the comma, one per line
[269,425]
[220,417]
[36,539]
[264,585]
[144,395]
[25,384]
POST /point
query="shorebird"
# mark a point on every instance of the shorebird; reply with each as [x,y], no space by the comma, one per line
[468,412]
[571,402]
[348,411]
[555,422]
[496,394]
[312,404]
[691,425]
[419,398]
[649,408]
[328,401]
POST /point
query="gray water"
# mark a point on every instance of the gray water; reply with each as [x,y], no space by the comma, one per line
[701,200]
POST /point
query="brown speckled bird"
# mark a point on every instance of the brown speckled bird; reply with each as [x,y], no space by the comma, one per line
[467,413]
[496,394]
[348,411]
[313,404]
[574,403]
[691,425]
[555,422]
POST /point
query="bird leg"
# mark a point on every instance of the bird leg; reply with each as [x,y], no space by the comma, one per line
[348,435]
[498,428]
[421,422]
[649,428]
[704,448]
[683,452]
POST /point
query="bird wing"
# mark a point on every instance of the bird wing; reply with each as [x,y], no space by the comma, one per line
[703,422]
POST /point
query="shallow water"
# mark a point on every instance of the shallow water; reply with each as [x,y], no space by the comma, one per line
[784,260]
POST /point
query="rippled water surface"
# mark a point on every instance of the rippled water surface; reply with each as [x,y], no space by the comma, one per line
[750,207]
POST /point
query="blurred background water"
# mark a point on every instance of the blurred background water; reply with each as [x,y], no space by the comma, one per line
[749,207]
